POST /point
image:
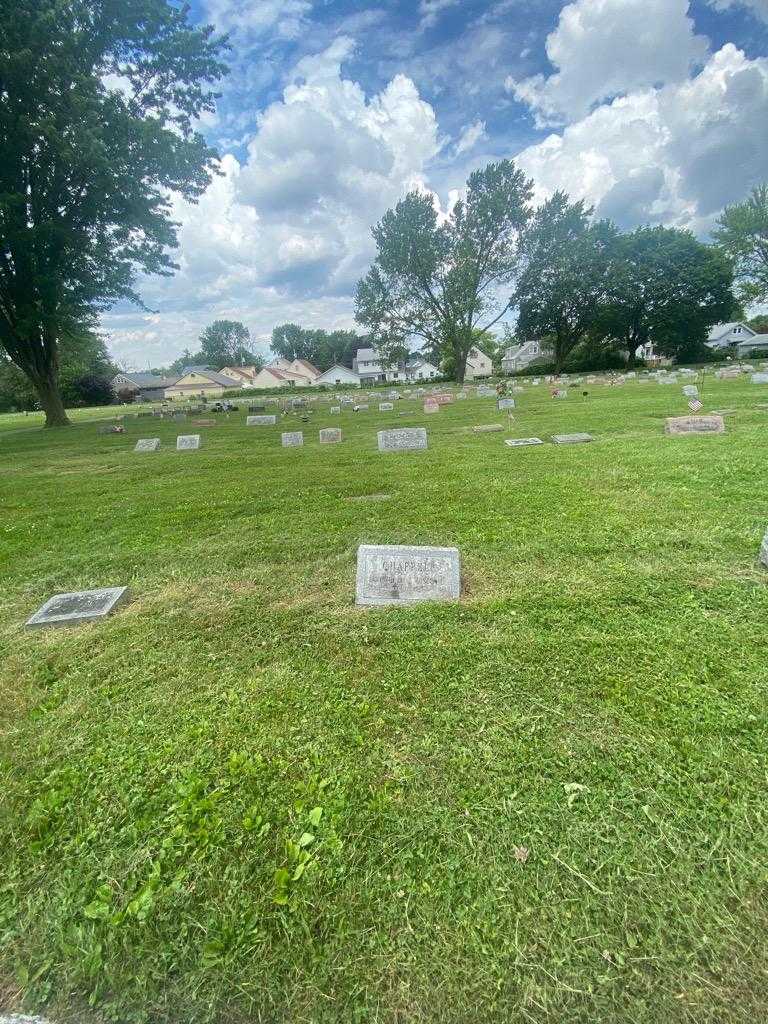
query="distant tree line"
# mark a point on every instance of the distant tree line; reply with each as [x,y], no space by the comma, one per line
[572,280]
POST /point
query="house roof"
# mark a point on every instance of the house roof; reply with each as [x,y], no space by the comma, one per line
[195,369]
[339,366]
[213,376]
[313,370]
[720,329]
[148,380]
[367,353]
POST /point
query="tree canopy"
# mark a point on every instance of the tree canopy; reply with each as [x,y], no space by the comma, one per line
[440,280]
[742,234]
[98,102]
[225,343]
[319,347]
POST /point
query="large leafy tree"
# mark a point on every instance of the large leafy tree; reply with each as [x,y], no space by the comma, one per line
[742,233]
[441,280]
[225,343]
[565,277]
[83,360]
[665,287]
[98,101]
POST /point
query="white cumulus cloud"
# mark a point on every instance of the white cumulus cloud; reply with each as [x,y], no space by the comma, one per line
[607,48]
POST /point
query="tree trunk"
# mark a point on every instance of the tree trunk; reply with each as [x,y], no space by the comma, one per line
[631,358]
[51,402]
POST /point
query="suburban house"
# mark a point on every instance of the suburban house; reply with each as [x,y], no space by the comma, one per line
[737,337]
[201,384]
[244,374]
[517,357]
[338,374]
[146,387]
[478,365]
[421,369]
[368,366]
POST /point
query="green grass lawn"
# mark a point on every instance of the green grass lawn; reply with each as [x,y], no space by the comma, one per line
[244,799]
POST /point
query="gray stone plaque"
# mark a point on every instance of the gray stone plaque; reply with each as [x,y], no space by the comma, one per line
[386,407]
[391,574]
[187,442]
[505,403]
[759,378]
[147,444]
[330,435]
[335,409]
[292,439]
[695,425]
[71,609]
[260,421]
[522,442]
[572,438]
[404,440]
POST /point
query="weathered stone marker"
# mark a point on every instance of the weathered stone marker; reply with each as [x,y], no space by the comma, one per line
[147,444]
[431,406]
[292,439]
[695,425]
[522,442]
[330,435]
[335,409]
[406,439]
[391,574]
[260,421]
[82,606]
[759,378]
[487,428]
[386,407]
[505,403]
[572,438]
[187,442]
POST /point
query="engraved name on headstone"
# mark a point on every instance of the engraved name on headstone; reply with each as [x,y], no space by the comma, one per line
[403,440]
[695,425]
[187,442]
[147,444]
[82,606]
[292,439]
[330,435]
[260,421]
[394,574]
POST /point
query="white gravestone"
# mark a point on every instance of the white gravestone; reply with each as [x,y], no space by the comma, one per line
[391,574]
[505,403]
[695,425]
[522,442]
[72,609]
[386,407]
[759,378]
[408,439]
[335,409]
[572,438]
[330,435]
[260,421]
[147,444]
[187,442]
[292,439]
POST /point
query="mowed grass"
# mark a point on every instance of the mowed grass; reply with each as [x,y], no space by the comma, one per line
[243,799]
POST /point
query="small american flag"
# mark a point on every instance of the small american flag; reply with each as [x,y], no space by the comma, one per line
[694,405]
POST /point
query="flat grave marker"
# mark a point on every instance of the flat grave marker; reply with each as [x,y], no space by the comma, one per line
[330,435]
[487,428]
[261,421]
[187,442]
[74,608]
[759,378]
[386,407]
[335,409]
[203,423]
[292,439]
[147,444]
[572,438]
[394,574]
[677,425]
[407,439]
[522,442]
[505,403]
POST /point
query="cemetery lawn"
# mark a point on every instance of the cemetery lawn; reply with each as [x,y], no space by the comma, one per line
[243,799]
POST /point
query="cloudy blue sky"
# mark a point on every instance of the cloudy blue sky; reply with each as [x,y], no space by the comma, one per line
[654,110]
